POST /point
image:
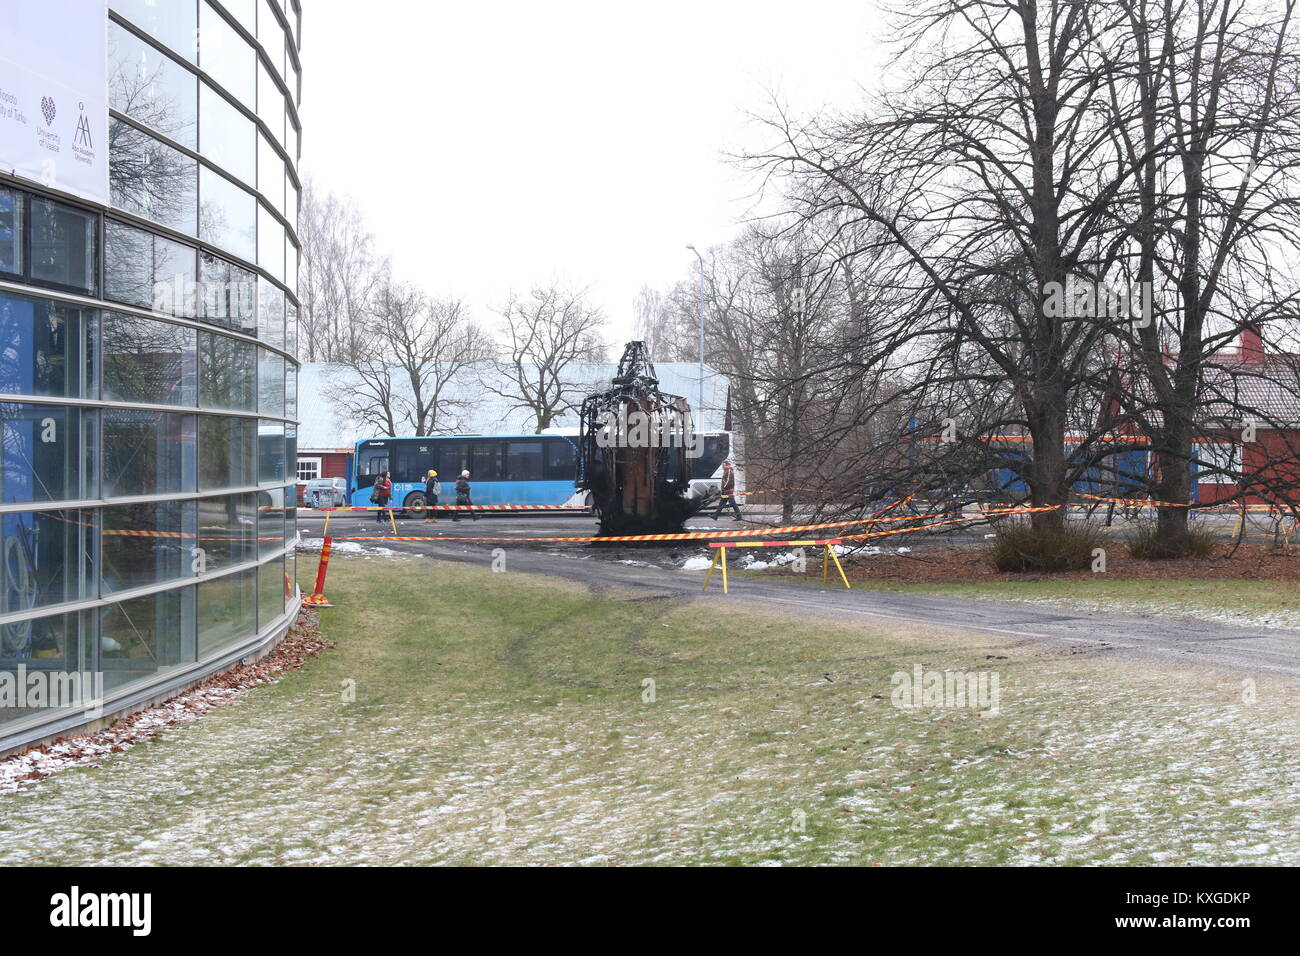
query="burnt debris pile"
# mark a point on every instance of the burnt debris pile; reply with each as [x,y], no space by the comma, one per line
[636,444]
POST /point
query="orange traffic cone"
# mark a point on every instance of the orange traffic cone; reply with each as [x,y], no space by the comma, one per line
[317,597]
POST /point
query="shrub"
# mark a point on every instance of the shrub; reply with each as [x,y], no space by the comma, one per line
[1146,544]
[1019,546]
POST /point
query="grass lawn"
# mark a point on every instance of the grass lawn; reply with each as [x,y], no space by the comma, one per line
[505,718]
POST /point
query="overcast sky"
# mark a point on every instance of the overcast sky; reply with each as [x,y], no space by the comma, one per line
[494,145]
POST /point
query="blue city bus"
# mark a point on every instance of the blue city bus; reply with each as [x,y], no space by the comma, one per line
[503,469]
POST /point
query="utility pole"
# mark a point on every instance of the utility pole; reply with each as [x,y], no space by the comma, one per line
[699,308]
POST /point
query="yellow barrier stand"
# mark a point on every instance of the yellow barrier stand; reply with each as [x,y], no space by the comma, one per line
[719,550]
[828,556]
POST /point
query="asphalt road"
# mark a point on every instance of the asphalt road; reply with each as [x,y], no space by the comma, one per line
[656,569]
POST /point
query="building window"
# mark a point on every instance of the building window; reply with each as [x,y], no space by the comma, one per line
[146,635]
[147,453]
[308,468]
[47,453]
[11,231]
[1218,463]
[46,348]
[227,610]
[62,245]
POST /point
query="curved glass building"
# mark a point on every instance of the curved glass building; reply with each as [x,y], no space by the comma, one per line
[147,356]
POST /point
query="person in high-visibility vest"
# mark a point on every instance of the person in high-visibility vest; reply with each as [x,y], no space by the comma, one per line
[728,491]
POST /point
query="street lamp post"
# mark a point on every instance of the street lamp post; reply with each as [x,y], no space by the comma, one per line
[699,308]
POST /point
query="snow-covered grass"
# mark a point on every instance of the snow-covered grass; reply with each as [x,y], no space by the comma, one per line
[475,717]
[1236,602]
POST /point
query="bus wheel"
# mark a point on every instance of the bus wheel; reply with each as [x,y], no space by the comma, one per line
[414,504]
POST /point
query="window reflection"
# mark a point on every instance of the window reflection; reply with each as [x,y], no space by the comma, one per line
[229,294]
[227,610]
[147,361]
[227,136]
[228,529]
[46,348]
[228,215]
[148,270]
[147,635]
[227,452]
[131,560]
[271,455]
[270,383]
[172,23]
[147,453]
[226,373]
[225,55]
[150,179]
[46,558]
[62,241]
[11,231]
[270,242]
[149,86]
[47,453]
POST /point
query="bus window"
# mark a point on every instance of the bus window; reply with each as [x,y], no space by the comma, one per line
[412,461]
[559,460]
[372,463]
[485,460]
[452,459]
[524,461]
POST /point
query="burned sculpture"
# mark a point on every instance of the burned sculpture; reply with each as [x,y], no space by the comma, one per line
[635,446]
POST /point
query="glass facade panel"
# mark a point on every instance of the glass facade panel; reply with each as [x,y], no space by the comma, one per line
[148,362]
[148,453]
[226,136]
[227,372]
[271,455]
[11,231]
[225,55]
[163,552]
[174,24]
[228,215]
[148,178]
[229,294]
[151,87]
[270,521]
[46,348]
[62,245]
[270,173]
[227,452]
[270,591]
[270,103]
[270,243]
[50,644]
[48,453]
[143,636]
[228,530]
[149,271]
[48,558]
[270,383]
[270,313]
[227,610]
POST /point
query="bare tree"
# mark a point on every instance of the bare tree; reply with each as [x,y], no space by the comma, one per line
[415,351]
[545,334]
[339,276]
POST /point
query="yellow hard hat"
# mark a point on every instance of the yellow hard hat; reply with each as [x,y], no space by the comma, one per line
[432,473]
